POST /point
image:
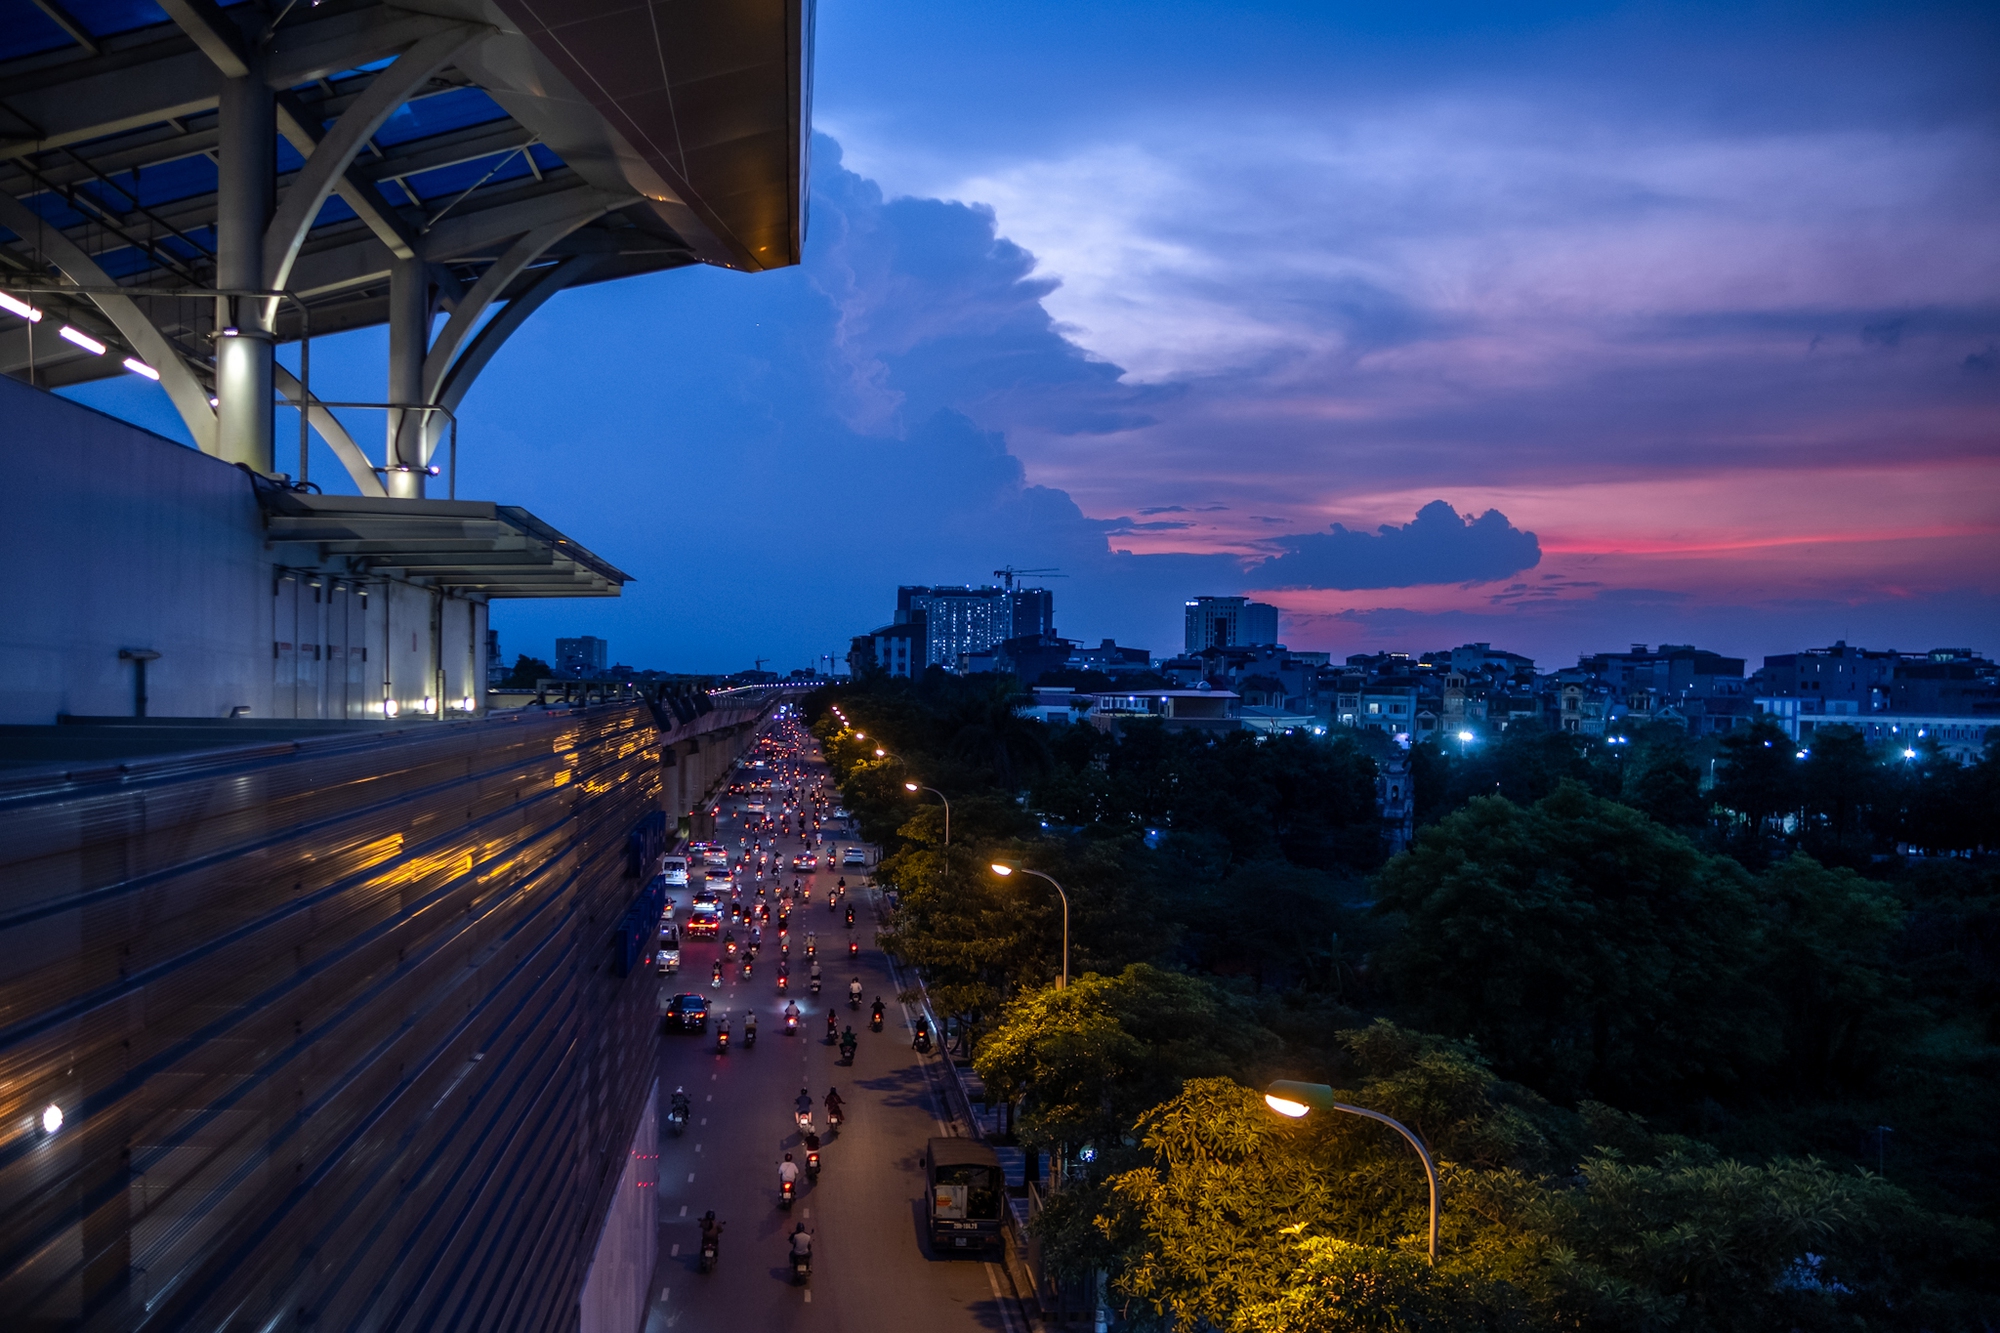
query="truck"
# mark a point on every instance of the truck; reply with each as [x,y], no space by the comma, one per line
[967,1195]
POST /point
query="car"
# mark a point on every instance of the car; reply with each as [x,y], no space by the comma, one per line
[755,807]
[687,1012]
[854,856]
[715,859]
[676,870]
[704,920]
[805,861]
[670,955]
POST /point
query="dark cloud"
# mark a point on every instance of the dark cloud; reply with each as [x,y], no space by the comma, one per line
[1983,363]
[1883,333]
[1118,527]
[1438,546]
[1165,509]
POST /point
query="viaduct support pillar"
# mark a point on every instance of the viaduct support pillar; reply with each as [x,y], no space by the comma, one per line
[247,152]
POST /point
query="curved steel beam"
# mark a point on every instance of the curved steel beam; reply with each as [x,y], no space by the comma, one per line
[327,167]
[451,392]
[189,398]
[336,436]
[473,305]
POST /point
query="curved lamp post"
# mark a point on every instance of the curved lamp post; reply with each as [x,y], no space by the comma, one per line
[1300,1099]
[1005,868]
[917,787]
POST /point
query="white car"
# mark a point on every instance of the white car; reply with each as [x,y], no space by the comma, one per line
[854,856]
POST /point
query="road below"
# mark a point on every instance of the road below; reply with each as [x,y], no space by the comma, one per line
[871,1268]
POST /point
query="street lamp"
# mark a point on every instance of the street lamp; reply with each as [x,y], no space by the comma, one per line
[914,787]
[1297,1100]
[1006,868]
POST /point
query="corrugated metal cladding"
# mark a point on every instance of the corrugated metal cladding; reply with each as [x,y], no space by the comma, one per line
[332,1029]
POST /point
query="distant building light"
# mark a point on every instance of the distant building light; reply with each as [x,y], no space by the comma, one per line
[52,1119]
[82,339]
[138,367]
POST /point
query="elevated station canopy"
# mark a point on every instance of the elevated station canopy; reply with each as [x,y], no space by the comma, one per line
[460,157]
[467,546]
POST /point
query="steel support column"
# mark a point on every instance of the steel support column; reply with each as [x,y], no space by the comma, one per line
[409,340]
[245,195]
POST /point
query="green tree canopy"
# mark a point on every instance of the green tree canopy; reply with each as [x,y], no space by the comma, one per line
[1584,948]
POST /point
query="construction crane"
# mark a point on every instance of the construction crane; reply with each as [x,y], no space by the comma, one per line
[1009,574]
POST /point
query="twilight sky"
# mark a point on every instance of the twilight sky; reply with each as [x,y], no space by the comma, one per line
[1608,324]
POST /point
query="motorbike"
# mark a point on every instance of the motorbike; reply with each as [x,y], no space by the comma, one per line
[847,1045]
[832,1029]
[812,1164]
[830,900]
[805,1119]
[708,1254]
[875,1019]
[746,969]
[784,983]
[717,978]
[923,1041]
[834,1116]
[815,985]
[749,1033]
[786,1189]
[850,918]
[791,1024]
[802,1269]
[854,948]
[677,1119]
[854,999]
[722,1041]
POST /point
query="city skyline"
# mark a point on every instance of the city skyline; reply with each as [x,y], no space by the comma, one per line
[1564,331]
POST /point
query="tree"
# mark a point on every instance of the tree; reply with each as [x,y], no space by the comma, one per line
[1826,962]
[1584,948]
[1759,774]
[1089,1059]
[528,673]
[1838,782]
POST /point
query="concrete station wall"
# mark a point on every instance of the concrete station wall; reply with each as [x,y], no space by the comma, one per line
[122,539]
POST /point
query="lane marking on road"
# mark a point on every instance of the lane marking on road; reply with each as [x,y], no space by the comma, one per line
[663,1293]
[697,1147]
[993,1281]
[674,1253]
[690,1177]
[684,1213]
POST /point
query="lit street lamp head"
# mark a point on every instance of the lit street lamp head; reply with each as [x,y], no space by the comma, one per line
[1296,1100]
[1002,868]
[909,786]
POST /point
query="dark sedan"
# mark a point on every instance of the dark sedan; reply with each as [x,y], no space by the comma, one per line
[688,1012]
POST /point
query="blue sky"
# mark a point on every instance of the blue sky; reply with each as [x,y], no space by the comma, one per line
[1561,328]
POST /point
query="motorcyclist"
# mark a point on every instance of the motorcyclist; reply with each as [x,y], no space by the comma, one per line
[832,1028]
[802,1245]
[835,1108]
[792,1012]
[847,1045]
[922,1041]
[711,1232]
[750,1027]
[854,993]
[803,1107]
[814,972]
[875,1014]
[788,1172]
